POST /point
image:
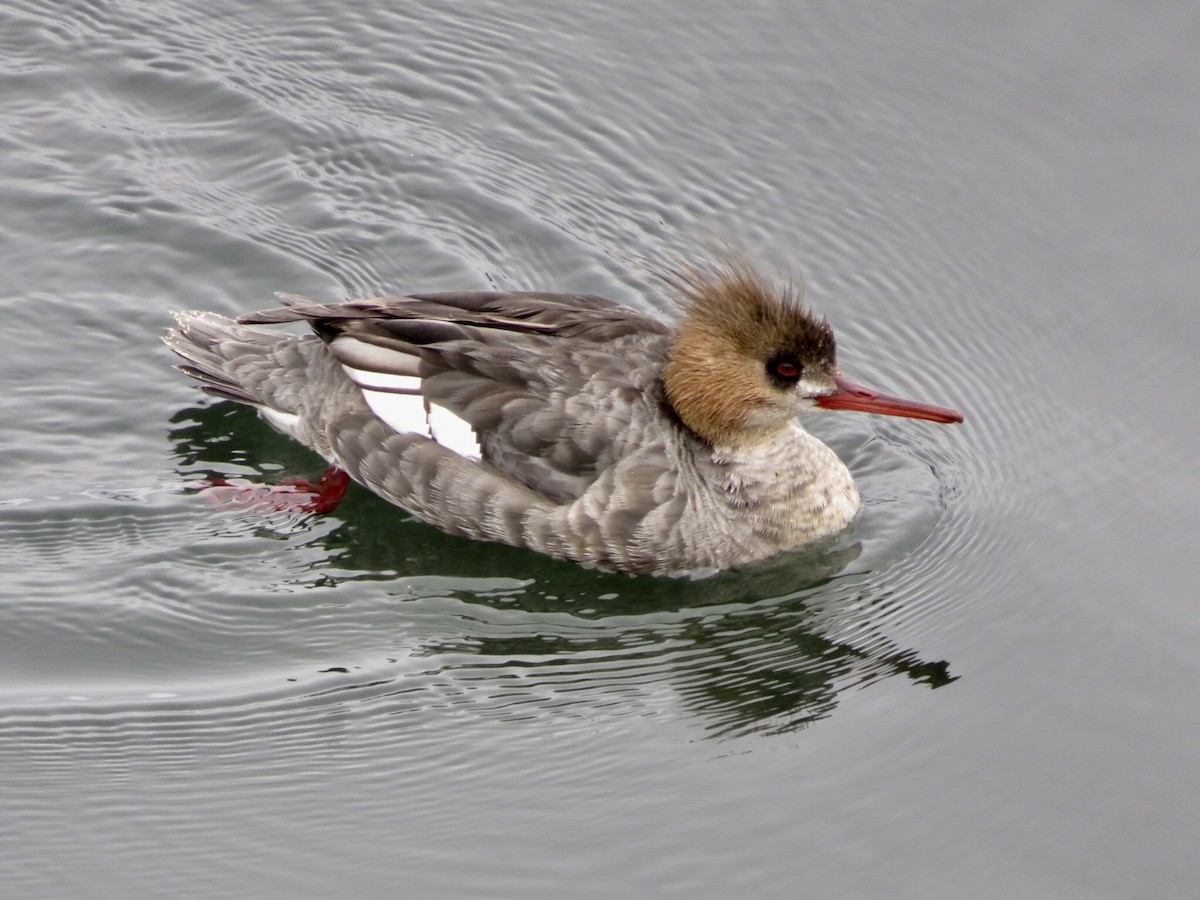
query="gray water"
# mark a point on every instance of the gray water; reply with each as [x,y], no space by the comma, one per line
[987,689]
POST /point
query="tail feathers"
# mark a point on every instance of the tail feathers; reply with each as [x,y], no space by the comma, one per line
[212,384]
[225,357]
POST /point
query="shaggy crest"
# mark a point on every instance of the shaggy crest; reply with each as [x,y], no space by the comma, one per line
[729,295]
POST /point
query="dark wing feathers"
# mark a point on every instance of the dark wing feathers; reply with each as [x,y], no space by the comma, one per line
[498,361]
[572,315]
[422,331]
[376,355]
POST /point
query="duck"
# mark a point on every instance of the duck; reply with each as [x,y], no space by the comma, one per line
[569,424]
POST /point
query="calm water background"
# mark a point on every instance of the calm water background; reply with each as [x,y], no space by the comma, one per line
[988,689]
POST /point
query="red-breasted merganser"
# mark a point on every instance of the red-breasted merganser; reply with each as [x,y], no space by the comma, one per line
[568,424]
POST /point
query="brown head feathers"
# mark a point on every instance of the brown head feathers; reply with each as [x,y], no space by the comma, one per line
[737,333]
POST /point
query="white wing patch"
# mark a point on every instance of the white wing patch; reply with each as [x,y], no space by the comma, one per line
[383,381]
[453,433]
[397,399]
[405,413]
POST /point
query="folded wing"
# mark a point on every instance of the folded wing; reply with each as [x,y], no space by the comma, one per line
[492,376]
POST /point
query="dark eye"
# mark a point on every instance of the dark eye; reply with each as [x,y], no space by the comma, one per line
[785,368]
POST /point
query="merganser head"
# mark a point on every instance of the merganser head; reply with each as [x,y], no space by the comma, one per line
[749,357]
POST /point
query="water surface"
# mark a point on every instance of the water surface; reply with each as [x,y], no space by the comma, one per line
[985,689]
